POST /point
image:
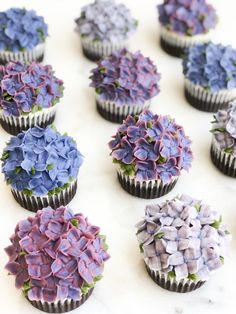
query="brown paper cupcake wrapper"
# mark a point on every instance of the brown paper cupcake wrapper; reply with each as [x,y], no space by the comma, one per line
[60,307]
[148,190]
[95,50]
[176,45]
[114,113]
[36,54]
[34,203]
[182,286]
[223,161]
[15,125]
[205,100]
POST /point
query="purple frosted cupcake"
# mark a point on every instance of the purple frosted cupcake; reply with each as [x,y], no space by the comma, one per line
[210,80]
[124,84]
[57,258]
[22,36]
[182,241]
[28,96]
[185,23]
[150,152]
[104,27]
[41,166]
[223,146]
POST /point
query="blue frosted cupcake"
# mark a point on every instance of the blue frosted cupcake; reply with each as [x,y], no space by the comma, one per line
[104,27]
[210,76]
[22,35]
[41,166]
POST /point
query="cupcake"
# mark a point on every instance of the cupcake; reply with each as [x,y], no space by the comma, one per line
[41,166]
[57,258]
[104,27]
[124,84]
[223,146]
[150,152]
[182,242]
[28,95]
[185,23]
[22,35]
[210,79]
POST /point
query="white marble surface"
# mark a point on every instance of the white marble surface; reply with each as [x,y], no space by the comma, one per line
[126,288]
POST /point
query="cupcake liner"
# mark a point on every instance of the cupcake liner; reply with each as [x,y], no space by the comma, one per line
[182,286]
[223,161]
[15,125]
[34,203]
[112,112]
[95,50]
[60,306]
[176,44]
[146,189]
[206,100]
[36,54]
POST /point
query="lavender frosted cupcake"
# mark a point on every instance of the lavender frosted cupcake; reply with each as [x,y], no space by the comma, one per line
[185,23]
[210,79]
[124,84]
[41,166]
[150,152]
[28,96]
[22,36]
[104,27]
[57,258]
[223,146]
[182,241]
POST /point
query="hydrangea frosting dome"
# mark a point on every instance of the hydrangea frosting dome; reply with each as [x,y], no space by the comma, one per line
[187,17]
[183,238]
[151,147]
[224,129]
[56,255]
[212,66]
[125,78]
[41,161]
[106,21]
[21,29]
[28,88]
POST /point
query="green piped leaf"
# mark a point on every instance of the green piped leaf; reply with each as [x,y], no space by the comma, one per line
[22,253]
[159,235]
[75,222]
[216,223]
[198,206]
[222,130]
[171,275]
[161,160]
[222,259]
[33,171]
[141,248]
[192,277]
[5,155]
[26,287]
[50,167]
[228,150]
[28,192]
[18,170]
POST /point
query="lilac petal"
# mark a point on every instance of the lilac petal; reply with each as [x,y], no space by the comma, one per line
[49,295]
[171,247]
[155,263]
[149,250]
[74,293]
[35,294]
[13,267]
[62,292]
[21,277]
[176,259]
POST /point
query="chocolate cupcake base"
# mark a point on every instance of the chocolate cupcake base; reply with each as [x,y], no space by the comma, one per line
[114,113]
[205,100]
[181,286]
[36,54]
[223,161]
[148,190]
[60,307]
[174,51]
[34,203]
[15,125]
[95,50]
